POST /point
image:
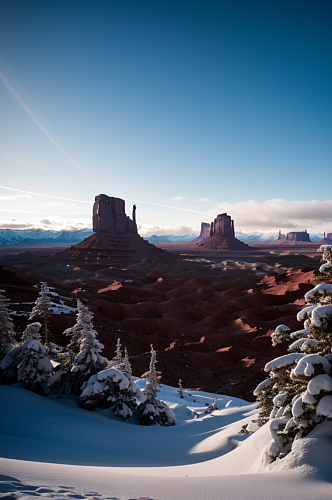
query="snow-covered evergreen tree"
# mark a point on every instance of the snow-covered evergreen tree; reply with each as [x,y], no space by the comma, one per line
[7,332]
[298,393]
[28,363]
[326,268]
[31,332]
[88,361]
[117,360]
[180,389]
[153,410]
[125,367]
[110,388]
[43,309]
[35,367]
[83,317]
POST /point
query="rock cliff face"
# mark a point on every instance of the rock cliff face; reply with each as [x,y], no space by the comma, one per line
[224,226]
[222,236]
[205,232]
[298,236]
[116,241]
[109,215]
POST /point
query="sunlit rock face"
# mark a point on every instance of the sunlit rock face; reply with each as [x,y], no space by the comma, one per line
[298,236]
[223,226]
[109,215]
[205,232]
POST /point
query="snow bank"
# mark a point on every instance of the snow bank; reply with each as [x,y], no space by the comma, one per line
[199,458]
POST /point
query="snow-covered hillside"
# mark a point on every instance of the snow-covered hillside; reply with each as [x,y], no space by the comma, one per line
[54,449]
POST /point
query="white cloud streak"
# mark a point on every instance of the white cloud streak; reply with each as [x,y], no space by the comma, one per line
[90,203]
[179,198]
[44,195]
[203,200]
[145,230]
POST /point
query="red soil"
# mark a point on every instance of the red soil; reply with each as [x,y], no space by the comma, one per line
[211,327]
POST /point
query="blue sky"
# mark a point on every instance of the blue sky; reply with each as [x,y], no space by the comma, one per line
[200,106]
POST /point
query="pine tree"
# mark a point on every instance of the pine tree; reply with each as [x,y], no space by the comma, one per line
[152,386]
[34,368]
[326,268]
[117,360]
[153,410]
[110,388]
[31,332]
[125,368]
[43,308]
[88,361]
[28,363]
[83,316]
[298,393]
[180,389]
[7,332]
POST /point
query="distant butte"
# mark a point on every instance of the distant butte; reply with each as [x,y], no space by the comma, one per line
[298,236]
[205,233]
[115,241]
[222,236]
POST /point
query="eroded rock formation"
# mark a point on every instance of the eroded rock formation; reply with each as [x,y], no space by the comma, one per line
[298,236]
[222,236]
[109,215]
[116,241]
[205,232]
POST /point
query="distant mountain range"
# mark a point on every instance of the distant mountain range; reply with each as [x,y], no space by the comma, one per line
[246,238]
[48,237]
[42,237]
[170,238]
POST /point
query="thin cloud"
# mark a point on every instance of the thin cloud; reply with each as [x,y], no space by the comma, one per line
[18,225]
[48,222]
[54,204]
[161,231]
[15,197]
[179,198]
[203,200]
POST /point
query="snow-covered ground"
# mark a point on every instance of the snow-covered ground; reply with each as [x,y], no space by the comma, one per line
[51,448]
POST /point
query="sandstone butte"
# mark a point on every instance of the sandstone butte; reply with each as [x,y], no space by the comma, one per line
[222,236]
[115,240]
[205,233]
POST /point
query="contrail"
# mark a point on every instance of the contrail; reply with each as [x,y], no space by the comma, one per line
[44,195]
[44,212]
[89,202]
[37,122]
[166,206]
